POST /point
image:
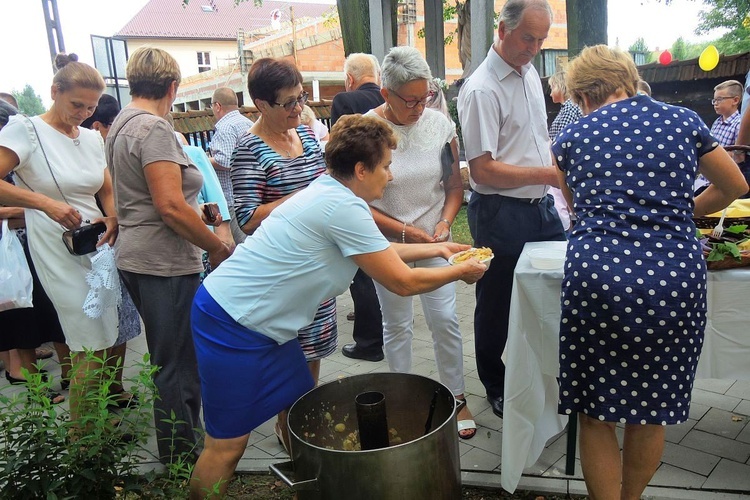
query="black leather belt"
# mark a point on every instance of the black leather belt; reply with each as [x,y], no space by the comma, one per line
[530,201]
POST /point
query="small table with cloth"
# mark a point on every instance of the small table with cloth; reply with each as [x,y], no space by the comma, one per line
[531,353]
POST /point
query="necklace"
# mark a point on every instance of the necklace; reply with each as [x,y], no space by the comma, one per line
[279,145]
[269,134]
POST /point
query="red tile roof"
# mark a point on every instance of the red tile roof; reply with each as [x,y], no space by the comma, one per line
[169,19]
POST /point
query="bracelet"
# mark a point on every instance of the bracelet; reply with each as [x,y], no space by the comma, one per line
[446,221]
[403,233]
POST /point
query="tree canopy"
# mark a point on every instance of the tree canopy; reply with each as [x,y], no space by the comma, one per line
[732,15]
[29,102]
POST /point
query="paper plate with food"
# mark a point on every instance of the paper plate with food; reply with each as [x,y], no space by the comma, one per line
[483,255]
[730,250]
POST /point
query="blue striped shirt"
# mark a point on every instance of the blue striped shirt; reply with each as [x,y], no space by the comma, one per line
[260,175]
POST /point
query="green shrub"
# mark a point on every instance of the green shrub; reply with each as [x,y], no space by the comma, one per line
[43,454]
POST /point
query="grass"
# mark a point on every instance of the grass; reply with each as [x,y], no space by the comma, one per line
[460,228]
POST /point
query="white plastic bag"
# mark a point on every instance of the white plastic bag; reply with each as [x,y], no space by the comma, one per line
[16,283]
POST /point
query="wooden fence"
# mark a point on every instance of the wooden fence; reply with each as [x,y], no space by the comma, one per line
[198,126]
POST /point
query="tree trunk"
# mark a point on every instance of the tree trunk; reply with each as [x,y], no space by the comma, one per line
[354,19]
[587,24]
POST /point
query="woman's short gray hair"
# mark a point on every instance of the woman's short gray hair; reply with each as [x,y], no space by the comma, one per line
[513,11]
[401,66]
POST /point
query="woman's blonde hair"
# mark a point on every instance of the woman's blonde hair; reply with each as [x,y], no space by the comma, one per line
[598,72]
[72,74]
[150,72]
[557,81]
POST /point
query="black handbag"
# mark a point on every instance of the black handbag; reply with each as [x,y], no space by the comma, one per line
[446,162]
[82,240]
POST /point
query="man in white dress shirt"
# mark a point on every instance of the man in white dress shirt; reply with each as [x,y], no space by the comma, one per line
[504,122]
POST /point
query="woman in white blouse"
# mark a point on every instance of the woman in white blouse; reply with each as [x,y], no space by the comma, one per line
[419,207]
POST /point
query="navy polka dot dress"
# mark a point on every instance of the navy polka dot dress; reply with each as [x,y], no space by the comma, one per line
[634,291]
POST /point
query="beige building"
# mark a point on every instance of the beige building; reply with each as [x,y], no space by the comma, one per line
[207,36]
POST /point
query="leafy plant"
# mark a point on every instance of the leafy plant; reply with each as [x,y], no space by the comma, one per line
[44,454]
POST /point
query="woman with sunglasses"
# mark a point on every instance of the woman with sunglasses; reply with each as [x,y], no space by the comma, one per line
[419,207]
[278,157]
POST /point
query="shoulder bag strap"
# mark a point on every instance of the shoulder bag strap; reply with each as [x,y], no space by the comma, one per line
[49,167]
[116,133]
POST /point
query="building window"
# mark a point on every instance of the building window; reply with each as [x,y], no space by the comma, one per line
[204,61]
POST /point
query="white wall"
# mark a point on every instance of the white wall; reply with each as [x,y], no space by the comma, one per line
[223,53]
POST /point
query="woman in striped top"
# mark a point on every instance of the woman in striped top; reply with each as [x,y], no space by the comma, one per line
[278,157]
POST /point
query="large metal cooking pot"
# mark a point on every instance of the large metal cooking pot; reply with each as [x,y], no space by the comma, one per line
[416,465]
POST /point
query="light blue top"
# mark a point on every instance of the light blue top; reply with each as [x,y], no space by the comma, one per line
[274,282]
[211,191]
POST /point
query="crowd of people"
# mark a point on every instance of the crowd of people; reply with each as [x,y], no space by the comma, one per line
[233,258]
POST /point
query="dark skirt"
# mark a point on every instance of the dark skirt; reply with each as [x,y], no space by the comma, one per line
[30,327]
[246,378]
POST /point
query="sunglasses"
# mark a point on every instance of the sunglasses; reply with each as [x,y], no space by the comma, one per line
[288,106]
[416,102]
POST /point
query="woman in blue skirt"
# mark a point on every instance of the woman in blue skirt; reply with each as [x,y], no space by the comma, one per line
[247,313]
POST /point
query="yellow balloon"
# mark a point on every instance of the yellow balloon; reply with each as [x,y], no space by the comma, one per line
[709,58]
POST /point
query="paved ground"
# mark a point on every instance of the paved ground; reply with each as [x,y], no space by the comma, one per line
[707,457]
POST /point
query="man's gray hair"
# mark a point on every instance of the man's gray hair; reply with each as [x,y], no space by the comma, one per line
[403,65]
[360,65]
[513,11]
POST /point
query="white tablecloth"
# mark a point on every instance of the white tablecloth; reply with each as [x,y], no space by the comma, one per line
[531,354]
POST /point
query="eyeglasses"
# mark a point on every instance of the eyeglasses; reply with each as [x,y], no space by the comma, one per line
[417,102]
[288,106]
[717,100]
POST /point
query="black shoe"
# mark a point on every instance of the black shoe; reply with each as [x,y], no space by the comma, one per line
[497,405]
[16,381]
[353,351]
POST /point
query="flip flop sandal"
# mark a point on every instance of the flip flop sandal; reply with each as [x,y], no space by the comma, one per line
[467,425]
[121,401]
[277,431]
[43,353]
[55,398]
